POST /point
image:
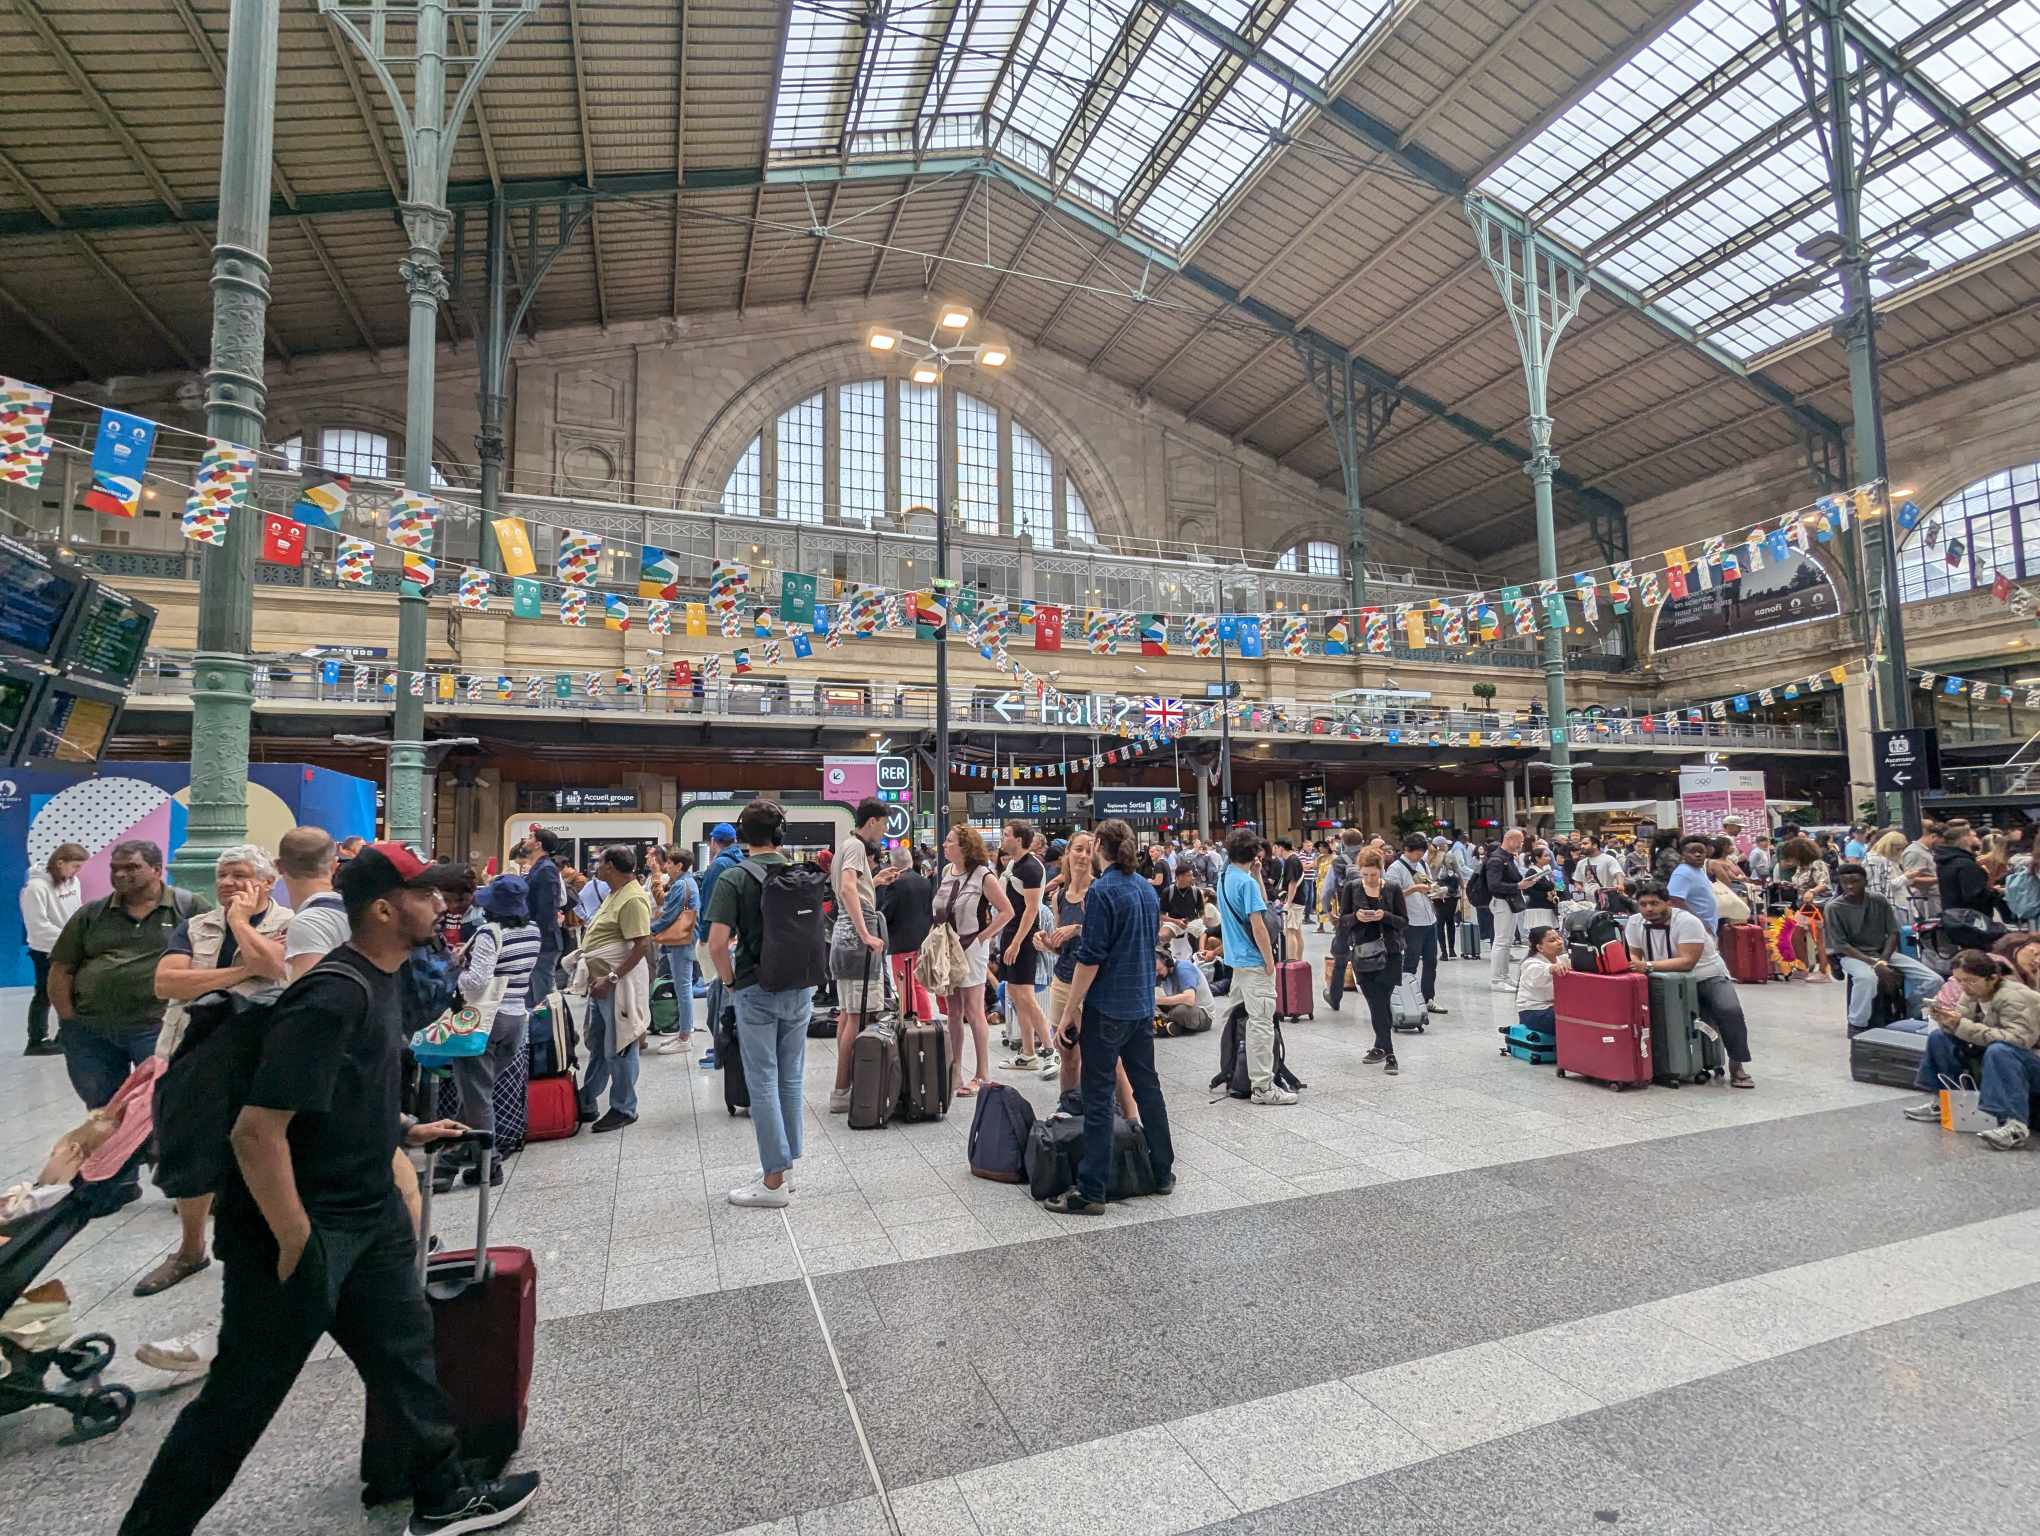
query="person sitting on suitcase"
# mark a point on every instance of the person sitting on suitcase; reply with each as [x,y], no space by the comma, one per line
[1182,996]
[1995,1036]
[314,1236]
[1661,937]
[1862,934]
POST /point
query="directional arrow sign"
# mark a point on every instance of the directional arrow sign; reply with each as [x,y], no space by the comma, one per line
[1004,705]
[1901,777]
[1907,761]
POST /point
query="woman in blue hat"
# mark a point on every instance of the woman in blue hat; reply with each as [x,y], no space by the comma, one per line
[506,945]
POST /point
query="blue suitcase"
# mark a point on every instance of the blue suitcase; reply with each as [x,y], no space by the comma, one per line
[1531,1045]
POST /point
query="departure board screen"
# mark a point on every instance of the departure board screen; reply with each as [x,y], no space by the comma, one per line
[36,597]
[75,725]
[17,695]
[109,638]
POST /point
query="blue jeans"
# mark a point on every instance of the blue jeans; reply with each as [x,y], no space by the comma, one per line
[98,1064]
[1861,981]
[1129,1043]
[616,1073]
[772,1028]
[680,966]
[2006,1082]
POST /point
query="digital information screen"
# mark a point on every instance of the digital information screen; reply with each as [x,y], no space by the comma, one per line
[36,601]
[18,691]
[1137,804]
[110,637]
[74,724]
[1031,804]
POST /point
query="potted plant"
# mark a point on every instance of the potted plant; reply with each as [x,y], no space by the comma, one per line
[1485,692]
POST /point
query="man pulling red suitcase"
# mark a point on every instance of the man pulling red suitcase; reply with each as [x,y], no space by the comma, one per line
[314,1237]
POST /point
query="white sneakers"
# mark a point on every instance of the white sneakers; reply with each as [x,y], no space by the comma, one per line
[757,1193]
[1051,1064]
[2009,1137]
[1272,1095]
[1501,986]
[666,1045]
[182,1355]
[1928,1113]
[839,1101]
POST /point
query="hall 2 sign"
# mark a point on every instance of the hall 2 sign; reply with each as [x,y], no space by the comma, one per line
[1087,711]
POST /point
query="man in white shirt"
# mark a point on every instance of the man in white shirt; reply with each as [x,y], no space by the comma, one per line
[1598,868]
[1412,877]
[1662,937]
[306,859]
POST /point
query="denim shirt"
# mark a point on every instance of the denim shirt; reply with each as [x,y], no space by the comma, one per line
[1121,919]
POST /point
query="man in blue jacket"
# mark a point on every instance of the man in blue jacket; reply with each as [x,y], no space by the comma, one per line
[723,854]
[542,901]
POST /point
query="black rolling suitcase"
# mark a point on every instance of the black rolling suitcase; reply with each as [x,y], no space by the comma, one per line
[729,1058]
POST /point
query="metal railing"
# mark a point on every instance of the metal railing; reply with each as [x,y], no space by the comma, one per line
[369,683]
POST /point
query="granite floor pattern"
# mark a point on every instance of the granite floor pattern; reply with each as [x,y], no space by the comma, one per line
[684,1382]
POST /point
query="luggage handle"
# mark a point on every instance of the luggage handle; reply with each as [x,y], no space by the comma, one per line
[482,1141]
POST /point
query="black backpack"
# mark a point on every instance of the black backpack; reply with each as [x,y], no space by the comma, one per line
[201,1091]
[998,1135]
[793,941]
[1476,885]
[1232,1059]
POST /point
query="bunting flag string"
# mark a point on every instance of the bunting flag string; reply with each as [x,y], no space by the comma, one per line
[24,433]
[217,491]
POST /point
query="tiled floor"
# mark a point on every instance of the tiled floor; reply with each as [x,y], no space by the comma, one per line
[1470,1297]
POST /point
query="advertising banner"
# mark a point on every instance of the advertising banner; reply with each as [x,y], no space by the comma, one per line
[1706,795]
[1788,591]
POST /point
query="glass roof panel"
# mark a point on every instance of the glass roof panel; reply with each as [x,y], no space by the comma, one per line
[1062,49]
[1315,36]
[970,64]
[1722,197]
[814,80]
[1166,79]
[1225,147]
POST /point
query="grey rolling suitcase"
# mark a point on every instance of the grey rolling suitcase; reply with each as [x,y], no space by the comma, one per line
[1680,1052]
[1891,1057]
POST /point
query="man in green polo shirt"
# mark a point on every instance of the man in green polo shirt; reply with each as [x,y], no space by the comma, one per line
[103,973]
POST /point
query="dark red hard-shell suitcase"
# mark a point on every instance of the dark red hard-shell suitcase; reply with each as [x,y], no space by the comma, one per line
[1603,1027]
[484,1316]
[1292,990]
[1742,947]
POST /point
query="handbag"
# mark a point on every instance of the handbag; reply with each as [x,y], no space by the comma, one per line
[1728,906]
[940,962]
[463,1030]
[1959,1108]
[1370,955]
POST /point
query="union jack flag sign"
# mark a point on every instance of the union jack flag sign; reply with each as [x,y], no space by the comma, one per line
[1166,713]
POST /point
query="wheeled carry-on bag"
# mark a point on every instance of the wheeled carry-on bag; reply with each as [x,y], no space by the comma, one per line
[1742,948]
[1406,1009]
[1293,995]
[1603,1027]
[1680,1052]
[484,1304]
[729,1058]
[1469,941]
[1531,1045]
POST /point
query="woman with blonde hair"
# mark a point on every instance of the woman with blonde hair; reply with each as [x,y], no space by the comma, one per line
[1886,879]
[975,906]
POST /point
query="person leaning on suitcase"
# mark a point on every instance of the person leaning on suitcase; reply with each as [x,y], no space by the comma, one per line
[1692,948]
[314,1237]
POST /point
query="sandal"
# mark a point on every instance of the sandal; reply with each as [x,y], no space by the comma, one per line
[1742,1080]
[966,1090]
[172,1271]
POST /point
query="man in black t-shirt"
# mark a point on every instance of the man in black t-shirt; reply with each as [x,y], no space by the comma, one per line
[314,1236]
[1013,951]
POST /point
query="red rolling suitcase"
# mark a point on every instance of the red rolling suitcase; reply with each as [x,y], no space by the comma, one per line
[551,1112]
[484,1315]
[1742,947]
[1292,990]
[1603,1027]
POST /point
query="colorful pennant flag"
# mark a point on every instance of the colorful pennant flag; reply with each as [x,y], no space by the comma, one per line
[727,584]
[659,618]
[473,591]
[1250,636]
[321,501]
[120,458]
[411,517]
[1154,634]
[354,562]
[615,612]
[1337,628]
[24,433]
[513,541]
[419,570]
[574,609]
[283,540]
[796,598]
[527,597]
[578,558]
[1048,625]
[218,489]
[658,573]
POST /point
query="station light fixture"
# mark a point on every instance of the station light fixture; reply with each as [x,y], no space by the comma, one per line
[1902,269]
[925,373]
[879,339]
[1799,288]
[954,317]
[1825,246]
[1951,218]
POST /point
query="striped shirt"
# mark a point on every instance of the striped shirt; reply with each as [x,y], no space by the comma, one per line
[511,953]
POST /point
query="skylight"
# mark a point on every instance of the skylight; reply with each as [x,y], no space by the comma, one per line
[1115,102]
[1693,174]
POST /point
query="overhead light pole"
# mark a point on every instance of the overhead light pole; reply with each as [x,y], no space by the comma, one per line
[929,360]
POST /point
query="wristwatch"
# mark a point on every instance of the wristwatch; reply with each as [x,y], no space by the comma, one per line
[405,1123]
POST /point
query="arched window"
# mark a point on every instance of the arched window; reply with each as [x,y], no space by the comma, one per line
[1318,557]
[1982,531]
[352,451]
[862,451]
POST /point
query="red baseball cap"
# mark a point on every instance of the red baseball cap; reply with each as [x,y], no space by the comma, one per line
[384,867]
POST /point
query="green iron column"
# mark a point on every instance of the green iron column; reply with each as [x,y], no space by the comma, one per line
[1541,296]
[418,43]
[223,682]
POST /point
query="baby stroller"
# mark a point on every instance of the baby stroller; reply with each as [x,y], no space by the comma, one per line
[35,1331]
